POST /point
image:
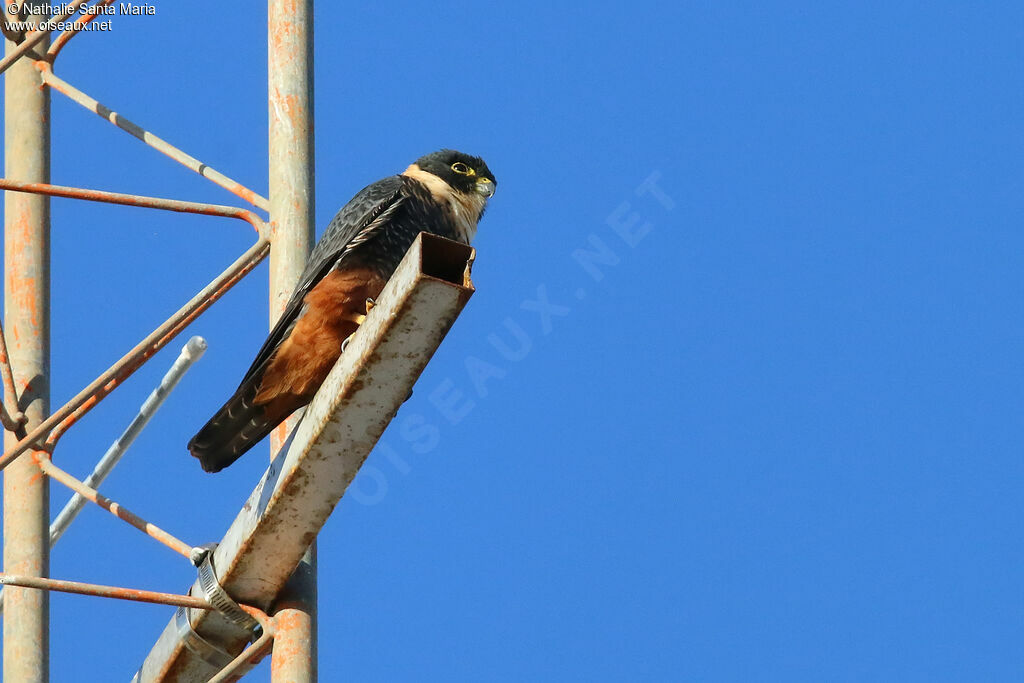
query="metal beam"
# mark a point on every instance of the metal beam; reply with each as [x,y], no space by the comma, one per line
[341,425]
[27,324]
[291,166]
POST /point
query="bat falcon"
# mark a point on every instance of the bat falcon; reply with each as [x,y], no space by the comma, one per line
[444,193]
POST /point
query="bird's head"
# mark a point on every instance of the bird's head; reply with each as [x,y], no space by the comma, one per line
[465,173]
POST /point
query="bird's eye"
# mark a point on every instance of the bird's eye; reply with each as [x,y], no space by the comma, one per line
[461,168]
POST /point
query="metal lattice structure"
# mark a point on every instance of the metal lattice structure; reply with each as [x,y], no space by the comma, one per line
[257,590]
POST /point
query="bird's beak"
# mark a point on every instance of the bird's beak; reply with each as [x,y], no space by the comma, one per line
[485,186]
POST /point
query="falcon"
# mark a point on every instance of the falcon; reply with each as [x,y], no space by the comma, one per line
[444,193]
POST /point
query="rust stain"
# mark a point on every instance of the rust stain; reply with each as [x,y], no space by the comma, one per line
[287,648]
[36,478]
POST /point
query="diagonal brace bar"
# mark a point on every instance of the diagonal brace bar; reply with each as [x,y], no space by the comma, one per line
[86,399]
[70,33]
[159,144]
[190,353]
[114,508]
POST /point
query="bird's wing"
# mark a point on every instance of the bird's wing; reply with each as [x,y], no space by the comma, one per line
[355,223]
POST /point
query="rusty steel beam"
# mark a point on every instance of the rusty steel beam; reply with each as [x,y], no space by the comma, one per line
[290,64]
[291,175]
[159,144]
[52,427]
[356,402]
[26,635]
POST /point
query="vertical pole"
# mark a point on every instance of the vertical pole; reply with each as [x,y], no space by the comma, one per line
[27,324]
[290,79]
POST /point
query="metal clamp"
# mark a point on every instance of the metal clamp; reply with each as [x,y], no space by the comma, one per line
[202,648]
[220,599]
[225,605]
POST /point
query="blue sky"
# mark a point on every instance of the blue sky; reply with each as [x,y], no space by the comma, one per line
[778,438]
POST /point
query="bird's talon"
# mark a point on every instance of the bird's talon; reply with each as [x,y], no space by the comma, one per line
[357,318]
[370,303]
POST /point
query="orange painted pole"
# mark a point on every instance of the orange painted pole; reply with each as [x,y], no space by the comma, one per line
[27,326]
[290,94]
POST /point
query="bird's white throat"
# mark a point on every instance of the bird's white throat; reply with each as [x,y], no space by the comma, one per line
[465,209]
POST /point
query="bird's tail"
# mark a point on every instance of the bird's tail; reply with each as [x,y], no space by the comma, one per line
[238,426]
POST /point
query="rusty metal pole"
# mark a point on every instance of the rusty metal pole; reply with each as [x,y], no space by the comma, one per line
[27,324]
[290,86]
